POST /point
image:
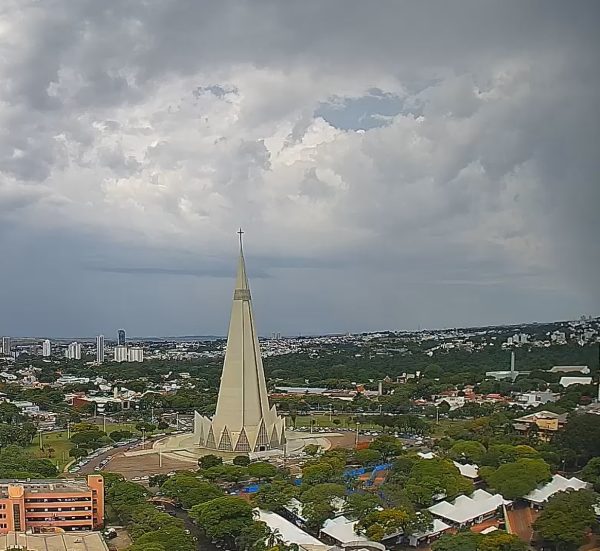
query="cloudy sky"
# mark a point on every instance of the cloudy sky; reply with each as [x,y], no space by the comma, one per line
[394,164]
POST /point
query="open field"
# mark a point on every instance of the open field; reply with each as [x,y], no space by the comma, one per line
[56,445]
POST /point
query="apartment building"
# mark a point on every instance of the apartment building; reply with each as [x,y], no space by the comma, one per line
[35,505]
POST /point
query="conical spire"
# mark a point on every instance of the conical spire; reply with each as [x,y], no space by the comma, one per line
[243,415]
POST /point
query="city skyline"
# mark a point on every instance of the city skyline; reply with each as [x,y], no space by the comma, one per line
[422,164]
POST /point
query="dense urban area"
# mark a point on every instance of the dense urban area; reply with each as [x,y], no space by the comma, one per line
[474,439]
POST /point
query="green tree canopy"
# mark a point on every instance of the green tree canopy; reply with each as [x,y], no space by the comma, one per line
[468,450]
[274,496]
[566,518]
[208,461]
[223,518]
[378,525]
[188,490]
[515,480]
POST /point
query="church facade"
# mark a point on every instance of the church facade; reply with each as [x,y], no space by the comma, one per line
[243,421]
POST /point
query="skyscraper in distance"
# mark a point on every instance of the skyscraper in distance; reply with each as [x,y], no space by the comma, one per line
[73,351]
[6,346]
[46,348]
[121,337]
[100,349]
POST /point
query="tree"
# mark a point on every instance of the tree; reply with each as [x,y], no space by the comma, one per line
[317,473]
[241,460]
[77,452]
[89,438]
[311,449]
[387,446]
[143,426]
[469,450]
[253,537]
[360,505]
[171,539]
[157,480]
[223,518]
[515,480]
[186,489]
[319,503]
[226,473]
[470,541]
[591,472]
[378,525]
[566,519]
[582,435]
[431,477]
[262,470]
[367,456]
[274,496]
[210,460]
[118,435]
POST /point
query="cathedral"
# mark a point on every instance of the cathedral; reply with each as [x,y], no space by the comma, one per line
[243,421]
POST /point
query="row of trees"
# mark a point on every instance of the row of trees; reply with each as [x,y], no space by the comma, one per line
[150,529]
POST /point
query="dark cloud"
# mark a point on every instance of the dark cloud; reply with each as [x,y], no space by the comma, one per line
[396,164]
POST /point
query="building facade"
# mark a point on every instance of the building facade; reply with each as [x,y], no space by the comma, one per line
[46,348]
[6,346]
[37,505]
[120,353]
[121,337]
[73,351]
[135,354]
[100,349]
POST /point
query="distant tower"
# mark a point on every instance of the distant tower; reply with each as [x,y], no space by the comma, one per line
[100,349]
[6,346]
[46,349]
[121,337]
[73,351]
[512,362]
[243,422]
[135,354]
[120,353]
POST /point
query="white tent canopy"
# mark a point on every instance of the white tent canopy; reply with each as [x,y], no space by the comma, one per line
[467,508]
[557,484]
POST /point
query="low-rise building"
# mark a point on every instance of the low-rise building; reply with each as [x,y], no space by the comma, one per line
[60,541]
[37,505]
[542,423]
[539,496]
[536,398]
[468,510]
[568,381]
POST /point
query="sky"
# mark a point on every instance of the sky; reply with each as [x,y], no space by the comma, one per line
[394,164]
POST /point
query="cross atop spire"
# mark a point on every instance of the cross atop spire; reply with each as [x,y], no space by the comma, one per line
[240,233]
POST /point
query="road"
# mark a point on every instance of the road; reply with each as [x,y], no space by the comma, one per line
[89,467]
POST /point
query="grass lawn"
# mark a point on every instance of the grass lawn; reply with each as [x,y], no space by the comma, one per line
[323,421]
[59,442]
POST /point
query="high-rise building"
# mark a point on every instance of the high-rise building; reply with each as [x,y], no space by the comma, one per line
[100,349]
[121,337]
[38,505]
[243,421]
[6,346]
[73,351]
[135,354]
[46,348]
[120,354]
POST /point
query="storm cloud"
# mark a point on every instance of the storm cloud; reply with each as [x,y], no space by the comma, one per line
[393,164]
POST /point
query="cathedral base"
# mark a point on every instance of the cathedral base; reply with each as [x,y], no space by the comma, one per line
[185,447]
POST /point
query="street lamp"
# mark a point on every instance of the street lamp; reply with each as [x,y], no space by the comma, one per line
[357,424]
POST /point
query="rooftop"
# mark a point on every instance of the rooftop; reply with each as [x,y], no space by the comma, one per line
[465,508]
[72,541]
[557,484]
[46,485]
